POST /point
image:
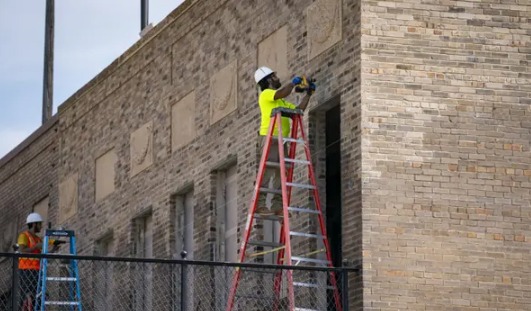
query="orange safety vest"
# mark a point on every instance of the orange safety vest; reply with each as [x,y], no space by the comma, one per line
[30,263]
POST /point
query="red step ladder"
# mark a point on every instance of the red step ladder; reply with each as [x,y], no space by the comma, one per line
[283,248]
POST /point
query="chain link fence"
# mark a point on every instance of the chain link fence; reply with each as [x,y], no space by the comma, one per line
[121,284]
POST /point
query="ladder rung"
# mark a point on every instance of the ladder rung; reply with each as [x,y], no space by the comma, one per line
[302,284]
[305,259]
[269,190]
[264,243]
[304,186]
[275,164]
[303,210]
[61,279]
[307,235]
[304,309]
[62,303]
[292,140]
[297,161]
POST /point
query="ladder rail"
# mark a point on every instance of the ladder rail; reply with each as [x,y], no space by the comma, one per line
[250,214]
[75,272]
[322,225]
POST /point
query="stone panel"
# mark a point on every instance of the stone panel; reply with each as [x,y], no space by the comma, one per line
[68,198]
[223,92]
[105,174]
[183,128]
[323,25]
[273,53]
[141,148]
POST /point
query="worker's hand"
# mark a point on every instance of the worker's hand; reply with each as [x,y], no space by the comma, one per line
[296,80]
[311,88]
[37,246]
[58,242]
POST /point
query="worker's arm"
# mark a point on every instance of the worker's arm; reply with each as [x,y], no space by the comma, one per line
[304,102]
[306,99]
[284,91]
[23,244]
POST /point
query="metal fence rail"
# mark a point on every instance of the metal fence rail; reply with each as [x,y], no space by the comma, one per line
[174,285]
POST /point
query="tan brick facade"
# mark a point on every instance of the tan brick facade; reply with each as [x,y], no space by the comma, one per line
[435,161]
[446,88]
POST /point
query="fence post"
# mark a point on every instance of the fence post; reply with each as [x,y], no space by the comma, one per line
[183,281]
[344,287]
[14,281]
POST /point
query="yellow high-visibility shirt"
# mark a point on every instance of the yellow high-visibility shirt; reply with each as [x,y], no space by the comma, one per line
[267,103]
[23,240]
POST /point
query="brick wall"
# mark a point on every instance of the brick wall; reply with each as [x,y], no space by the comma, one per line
[27,176]
[446,160]
[175,59]
[435,139]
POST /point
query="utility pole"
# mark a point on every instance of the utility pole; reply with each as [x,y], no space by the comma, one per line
[47,93]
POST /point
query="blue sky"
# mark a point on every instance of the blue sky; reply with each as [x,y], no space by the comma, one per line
[89,35]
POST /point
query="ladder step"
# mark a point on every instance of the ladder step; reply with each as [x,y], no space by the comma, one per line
[264,243]
[61,279]
[292,140]
[59,233]
[304,309]
[269,190]
[305,259]
[313,285]
[302,210]
[307,235]
[304,186]
[297,161]
[62,303]
[276,164]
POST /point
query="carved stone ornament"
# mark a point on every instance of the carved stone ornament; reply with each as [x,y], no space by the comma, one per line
[273,53]
[183,128]
[323,25]
[68,199]
[105,174]
[223,92]
[141,148]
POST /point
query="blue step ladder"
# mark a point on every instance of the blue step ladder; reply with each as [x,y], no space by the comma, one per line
[73,301]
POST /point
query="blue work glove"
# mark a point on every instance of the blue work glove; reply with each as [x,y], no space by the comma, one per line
[311,88]
[297,80]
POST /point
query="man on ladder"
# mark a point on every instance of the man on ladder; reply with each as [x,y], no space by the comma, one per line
[272,96]
[303,292]
[30,242]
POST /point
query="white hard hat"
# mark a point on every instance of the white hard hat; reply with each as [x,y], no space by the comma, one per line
[261,73]
[33,217]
